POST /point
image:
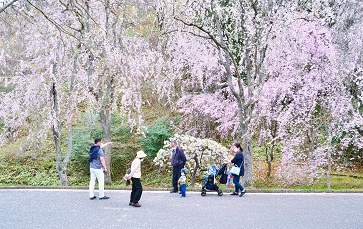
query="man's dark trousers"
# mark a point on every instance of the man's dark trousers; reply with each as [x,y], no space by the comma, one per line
[176,175]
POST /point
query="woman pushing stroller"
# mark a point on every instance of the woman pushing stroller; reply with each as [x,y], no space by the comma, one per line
[238,161]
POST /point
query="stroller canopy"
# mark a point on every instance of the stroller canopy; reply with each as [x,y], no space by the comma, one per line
[212,170]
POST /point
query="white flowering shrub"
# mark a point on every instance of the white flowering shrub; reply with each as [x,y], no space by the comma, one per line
[200,154]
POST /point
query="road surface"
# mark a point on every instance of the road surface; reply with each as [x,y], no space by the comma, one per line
[65,208]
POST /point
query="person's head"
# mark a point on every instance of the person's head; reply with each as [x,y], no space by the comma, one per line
[98,141]
[173,144]
[238,147]
[183,171]
[140,154]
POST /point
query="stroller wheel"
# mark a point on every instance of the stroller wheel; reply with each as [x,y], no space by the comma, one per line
[220,193]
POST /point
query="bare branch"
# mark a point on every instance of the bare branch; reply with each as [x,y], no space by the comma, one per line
[204,31]
[59,27]
[214,39]
[7,5]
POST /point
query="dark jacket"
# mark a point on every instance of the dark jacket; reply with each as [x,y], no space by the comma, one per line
[239,161]
[93,152]
[179,157]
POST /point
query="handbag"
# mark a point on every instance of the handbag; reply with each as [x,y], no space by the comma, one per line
[125,177]
[235,170]
[223,179]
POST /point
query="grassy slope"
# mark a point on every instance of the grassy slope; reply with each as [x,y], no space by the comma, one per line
[19,167]
[22,165]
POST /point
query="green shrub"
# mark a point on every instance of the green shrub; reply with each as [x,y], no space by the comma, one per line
[155,136]
[83,136]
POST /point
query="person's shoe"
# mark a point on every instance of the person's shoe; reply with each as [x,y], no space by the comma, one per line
[104,198]
[242,193]
[136,204]
[92,198]
[173,191]
[180,192]
[234,194]
[130,203]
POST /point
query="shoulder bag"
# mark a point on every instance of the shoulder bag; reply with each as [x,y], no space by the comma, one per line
[235,170]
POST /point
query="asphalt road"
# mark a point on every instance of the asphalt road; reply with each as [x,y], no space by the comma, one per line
[34,208]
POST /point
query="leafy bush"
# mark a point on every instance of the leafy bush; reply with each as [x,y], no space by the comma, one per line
[121,161]
[84,135]
[155,136]
[81,144]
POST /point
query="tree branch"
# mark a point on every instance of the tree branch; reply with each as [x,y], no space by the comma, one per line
[204,31]
[59,27]
[6,6]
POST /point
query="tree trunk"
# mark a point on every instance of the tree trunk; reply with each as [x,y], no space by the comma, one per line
[107,100]
[60,167]
[106,126]
[105,116]
[247,149]
[56,130]
[63,176]
[195,170]
[268,161]
[329,170]
[243,110]
[270,156]
[61,164]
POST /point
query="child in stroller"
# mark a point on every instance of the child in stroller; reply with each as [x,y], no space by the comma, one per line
[210,183]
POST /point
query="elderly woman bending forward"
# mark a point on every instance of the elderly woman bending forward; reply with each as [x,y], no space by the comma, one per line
[135,176]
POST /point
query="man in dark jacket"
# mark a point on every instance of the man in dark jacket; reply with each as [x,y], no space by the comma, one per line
[178,160]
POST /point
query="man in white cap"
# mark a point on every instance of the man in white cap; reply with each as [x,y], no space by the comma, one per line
[135,176]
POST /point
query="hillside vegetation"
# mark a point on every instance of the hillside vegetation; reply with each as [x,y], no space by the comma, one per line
[283,78]
[29,164]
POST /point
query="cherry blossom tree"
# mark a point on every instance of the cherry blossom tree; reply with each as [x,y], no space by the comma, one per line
[238,32]
[120,61]
[90,58]
[43,94]
[348,37]
[292,96]
[305,96]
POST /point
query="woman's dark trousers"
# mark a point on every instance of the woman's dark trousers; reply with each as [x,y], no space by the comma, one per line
[136,190]
[237,185]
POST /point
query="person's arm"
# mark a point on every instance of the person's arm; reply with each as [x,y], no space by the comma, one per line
[103,145]
[183,157]
[103,163]
[232,161]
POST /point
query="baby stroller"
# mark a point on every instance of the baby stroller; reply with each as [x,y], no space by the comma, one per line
[210,183]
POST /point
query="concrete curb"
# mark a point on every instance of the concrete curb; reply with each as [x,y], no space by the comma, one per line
[191,189]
